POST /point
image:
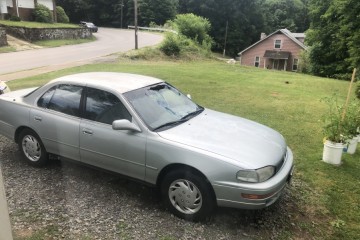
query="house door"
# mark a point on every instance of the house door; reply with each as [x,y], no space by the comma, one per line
[279,64]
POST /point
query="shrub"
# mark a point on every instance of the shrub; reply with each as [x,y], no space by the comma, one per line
[357,91]
[61,15]
[193,27]
[171,46]
[42,14]
[15,18]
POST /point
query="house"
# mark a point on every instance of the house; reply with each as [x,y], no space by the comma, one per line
[22,8]
[280,51]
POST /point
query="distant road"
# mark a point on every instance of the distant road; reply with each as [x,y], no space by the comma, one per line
[109,41]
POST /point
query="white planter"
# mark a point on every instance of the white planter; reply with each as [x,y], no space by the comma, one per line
[352,145]
[332,152]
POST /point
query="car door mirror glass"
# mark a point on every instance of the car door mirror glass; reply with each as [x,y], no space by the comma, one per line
[124,124]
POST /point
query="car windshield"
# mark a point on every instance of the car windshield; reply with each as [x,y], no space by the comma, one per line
[162,106]
[90,24]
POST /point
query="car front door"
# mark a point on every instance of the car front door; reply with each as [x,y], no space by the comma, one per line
[57,121]
[121,151]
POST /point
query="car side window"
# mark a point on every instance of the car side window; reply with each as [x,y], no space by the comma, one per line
[104,107]
[45,99]
[64,98]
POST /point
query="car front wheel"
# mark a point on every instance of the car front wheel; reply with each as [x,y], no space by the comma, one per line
[187,195]
[32,148]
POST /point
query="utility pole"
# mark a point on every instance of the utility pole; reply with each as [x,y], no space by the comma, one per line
[136,23]
[121,7]
[226,32]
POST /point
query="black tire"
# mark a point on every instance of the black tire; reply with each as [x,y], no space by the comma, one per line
[32,149]
[187,195]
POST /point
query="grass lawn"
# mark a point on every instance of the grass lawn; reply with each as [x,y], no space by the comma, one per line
[37,24]
[328,196]
[6,49]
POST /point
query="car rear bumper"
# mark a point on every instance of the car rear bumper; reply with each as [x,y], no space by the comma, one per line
[255,195]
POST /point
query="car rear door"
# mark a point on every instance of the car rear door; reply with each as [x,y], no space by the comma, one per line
[101,146]
[57,121]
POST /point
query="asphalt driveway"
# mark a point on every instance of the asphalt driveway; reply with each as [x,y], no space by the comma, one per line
[109,40]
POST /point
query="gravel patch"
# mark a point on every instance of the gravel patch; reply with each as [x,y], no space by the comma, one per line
[65,200]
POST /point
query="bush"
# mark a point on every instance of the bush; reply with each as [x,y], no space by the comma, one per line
[171,46]
[15,18]
[42,14]
[61,15]
[357,91]
[193,27]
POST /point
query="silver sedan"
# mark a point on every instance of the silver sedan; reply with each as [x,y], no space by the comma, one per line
[146,129]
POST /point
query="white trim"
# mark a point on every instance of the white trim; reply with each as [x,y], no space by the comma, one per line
[297,65]
[258,62]
[275,44]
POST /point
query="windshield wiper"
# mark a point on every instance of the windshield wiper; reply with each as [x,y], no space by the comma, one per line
[193,114]
[168,124]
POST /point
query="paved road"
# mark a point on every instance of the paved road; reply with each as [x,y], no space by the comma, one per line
[109,41]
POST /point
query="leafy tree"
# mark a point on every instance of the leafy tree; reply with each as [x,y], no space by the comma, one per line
[244,17]
[334,37]
[157,11]
[42,14]
[290,14]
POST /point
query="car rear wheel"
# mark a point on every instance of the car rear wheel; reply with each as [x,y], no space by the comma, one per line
[187,195]
[32,148]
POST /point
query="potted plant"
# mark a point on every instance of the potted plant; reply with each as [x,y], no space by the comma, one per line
[335,131]
[352,124]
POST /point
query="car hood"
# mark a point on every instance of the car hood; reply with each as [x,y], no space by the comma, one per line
[243,142]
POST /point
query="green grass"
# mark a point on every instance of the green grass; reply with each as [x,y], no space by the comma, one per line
[37,24]
[6,49]
[285,101]
[63,42]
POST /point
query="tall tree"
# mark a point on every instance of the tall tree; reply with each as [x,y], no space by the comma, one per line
[334,37]
[290,14]
[245,21]
[157,11]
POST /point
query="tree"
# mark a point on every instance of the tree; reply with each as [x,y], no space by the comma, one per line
[244,17]
[334,37]
[157,11]
[290,14]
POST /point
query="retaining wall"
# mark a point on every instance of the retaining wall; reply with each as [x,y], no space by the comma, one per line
[36,34]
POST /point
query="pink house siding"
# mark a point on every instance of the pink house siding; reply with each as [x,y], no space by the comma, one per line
[290,48]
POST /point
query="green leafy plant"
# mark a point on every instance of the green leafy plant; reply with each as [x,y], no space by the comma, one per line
[334,127]
[357,91]
[61,15]
[171,45]
[42,14]
[15,18]
[352,119]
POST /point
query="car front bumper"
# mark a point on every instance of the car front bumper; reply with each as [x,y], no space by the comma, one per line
[243,195]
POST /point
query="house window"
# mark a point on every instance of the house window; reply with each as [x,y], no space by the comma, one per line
[277,44]
[295,64]
[257,61]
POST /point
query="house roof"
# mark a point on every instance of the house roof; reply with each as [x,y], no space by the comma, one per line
[277,54]
[287,33]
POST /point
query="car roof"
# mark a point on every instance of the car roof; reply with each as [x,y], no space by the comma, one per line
[121,82]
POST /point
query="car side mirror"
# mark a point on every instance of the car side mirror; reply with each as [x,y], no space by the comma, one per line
[125,124]
[188,96]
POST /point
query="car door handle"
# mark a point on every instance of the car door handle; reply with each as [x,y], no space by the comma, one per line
[37,118]
[87,131]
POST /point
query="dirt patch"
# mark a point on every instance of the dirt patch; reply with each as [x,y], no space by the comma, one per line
[20,45]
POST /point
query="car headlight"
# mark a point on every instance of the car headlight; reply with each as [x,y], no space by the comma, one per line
[256,176]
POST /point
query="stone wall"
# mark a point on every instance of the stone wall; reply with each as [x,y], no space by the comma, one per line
[36,34]
[3,39]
